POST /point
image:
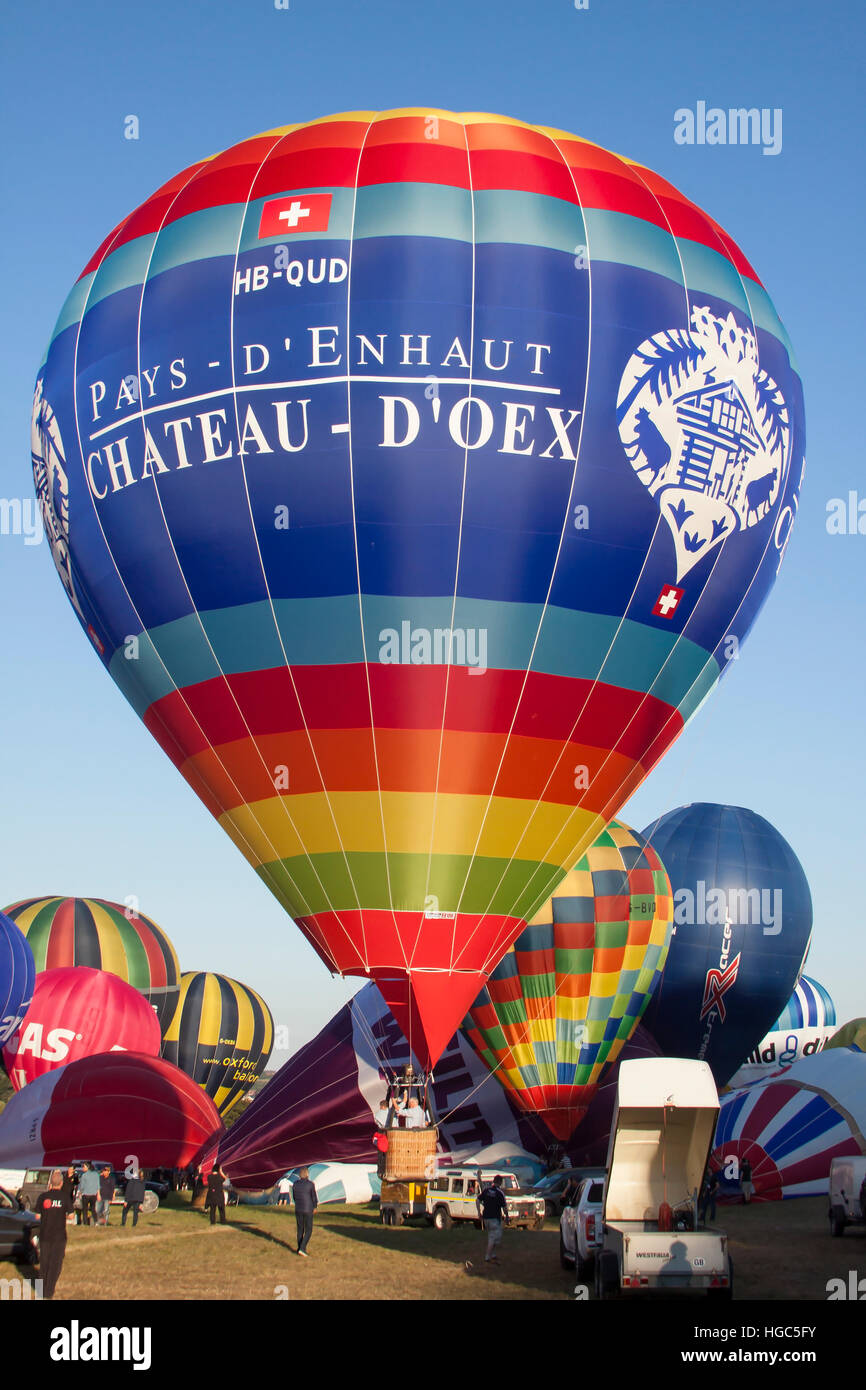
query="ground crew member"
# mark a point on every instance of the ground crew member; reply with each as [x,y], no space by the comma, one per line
[51,1210]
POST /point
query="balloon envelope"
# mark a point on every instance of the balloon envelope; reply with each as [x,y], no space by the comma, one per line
[221,1035]
[792,1126]
[104,936]
[75,1013]
[558,1008]
[742,926]
[852,1034]
[803,1028]
[417,598]
[115,1106]
[17,977]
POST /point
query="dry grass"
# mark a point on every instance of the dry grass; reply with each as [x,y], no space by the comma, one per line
[780,1250]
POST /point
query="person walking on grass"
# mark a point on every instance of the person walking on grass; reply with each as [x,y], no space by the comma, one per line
[306,1200]
[106,1195]
[493,1210]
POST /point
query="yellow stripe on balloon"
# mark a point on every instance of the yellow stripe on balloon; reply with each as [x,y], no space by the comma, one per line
[112,952]
[312,823]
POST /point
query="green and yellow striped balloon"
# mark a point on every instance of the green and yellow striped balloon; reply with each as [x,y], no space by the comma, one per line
[221,1035]
[104,936]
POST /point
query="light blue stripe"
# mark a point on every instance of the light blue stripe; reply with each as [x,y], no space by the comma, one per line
[709,272]
[414,209]
[124,268]
[532,219]
[325,632]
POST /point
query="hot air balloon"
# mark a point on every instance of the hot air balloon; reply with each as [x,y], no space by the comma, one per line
[221,1035]
[804,1027]
[852,1034]
[117,1105]
[412,598]
[742,927]
[792,1126]
[104,936]
[75,1013]
[17,977]
[557,1009]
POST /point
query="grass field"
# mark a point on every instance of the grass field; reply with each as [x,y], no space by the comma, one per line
[781,1251]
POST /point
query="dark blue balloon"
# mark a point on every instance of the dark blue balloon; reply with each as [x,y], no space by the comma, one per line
[742,926]
[17,977]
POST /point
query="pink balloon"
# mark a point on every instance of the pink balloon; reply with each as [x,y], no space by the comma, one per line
[77,1012]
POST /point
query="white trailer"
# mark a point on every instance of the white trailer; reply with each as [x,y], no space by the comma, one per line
[663,1130]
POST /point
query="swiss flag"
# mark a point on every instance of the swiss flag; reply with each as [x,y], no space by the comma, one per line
[296,212]
[668,601]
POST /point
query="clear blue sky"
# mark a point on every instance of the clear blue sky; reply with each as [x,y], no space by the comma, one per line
[90,804]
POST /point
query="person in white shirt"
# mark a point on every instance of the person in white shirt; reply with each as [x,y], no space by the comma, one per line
[284,1187]
[381,1115]
[414,1115]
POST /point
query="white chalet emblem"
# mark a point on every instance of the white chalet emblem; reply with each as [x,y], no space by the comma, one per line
[706,430]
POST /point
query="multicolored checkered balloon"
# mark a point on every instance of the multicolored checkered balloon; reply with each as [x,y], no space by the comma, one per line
[558,1009]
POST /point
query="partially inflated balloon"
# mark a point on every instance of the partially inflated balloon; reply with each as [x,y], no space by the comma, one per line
[803,1028]
[412,587]
[120,1105]
[851,1034]
[558,1008]
[221,1035]
[792,1126]
[75,1013]
[742,927]
[17,977]
[104,936]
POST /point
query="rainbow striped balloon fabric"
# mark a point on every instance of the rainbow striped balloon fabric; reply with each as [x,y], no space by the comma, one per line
[558,1009]
[409,472]
[103,936]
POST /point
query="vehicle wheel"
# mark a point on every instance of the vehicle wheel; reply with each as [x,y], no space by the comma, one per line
[583,1268]
[549,1208]
[442,1219]
[837,1221]
[396,1217]
[387,1216]
[479,1225]
[538,1223]
[607,1275]
[564,1257]
[150,1203]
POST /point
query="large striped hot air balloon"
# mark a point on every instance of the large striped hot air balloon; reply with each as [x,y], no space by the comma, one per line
[412,587]
[559,1007]
[221,1035]
[803,1028]
[104,936]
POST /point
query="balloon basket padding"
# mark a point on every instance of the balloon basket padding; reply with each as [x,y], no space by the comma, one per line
[411,1154]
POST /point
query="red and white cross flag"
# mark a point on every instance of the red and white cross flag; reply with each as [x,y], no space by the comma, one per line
[296,212]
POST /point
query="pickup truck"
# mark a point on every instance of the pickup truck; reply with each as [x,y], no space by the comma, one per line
[580,1231]
[664,1122]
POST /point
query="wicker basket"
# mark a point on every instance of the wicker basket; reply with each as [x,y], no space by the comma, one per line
[411,1155]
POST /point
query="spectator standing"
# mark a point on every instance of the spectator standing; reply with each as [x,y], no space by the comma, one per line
[215,1201]
[88,1189]
[106,1194]
[133,1197]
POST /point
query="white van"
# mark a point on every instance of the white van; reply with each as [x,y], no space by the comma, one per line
[847,1194]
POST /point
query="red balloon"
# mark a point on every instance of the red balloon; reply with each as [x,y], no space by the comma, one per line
[120,1107]
[77,1012]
